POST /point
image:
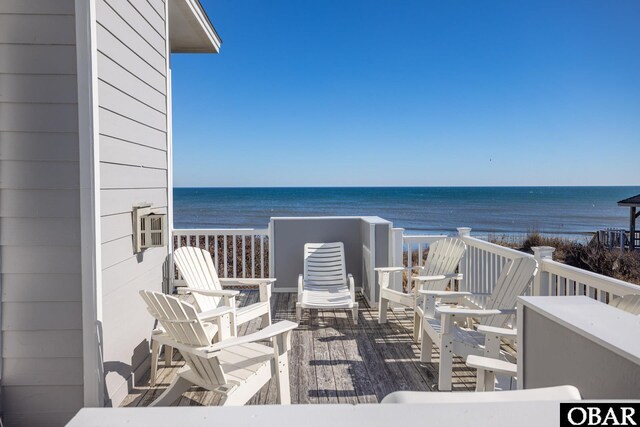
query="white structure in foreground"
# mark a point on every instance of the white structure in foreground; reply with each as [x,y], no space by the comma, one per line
[85,135]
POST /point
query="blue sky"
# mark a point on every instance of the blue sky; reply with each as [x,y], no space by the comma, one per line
[392,93]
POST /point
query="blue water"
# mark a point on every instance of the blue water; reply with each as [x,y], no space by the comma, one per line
[566,211]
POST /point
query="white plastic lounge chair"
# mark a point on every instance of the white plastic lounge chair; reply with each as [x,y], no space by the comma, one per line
[236,367]
[628,303]
[561,394]
[439,328]
[436,273]
[325,284]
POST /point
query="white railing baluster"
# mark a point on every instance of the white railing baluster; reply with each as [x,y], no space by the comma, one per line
[262,258]
[225,257]
[244,257]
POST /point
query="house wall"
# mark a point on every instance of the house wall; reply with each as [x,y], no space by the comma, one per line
[39,214]
[132,98]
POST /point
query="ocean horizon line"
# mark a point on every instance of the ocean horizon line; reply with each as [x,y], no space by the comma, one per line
[411,186]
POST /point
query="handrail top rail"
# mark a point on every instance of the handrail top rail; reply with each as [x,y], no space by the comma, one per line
[219,231]
[424,238]
[589,278]
[492,247]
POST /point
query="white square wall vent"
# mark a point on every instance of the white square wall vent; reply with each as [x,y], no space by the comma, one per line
[149,228]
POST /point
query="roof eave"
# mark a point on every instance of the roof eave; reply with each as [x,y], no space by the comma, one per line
[190,30]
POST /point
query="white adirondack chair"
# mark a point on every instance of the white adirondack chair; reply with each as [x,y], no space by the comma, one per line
[236,367]
[197,269]
[436,273]
[439,328]
[325,284]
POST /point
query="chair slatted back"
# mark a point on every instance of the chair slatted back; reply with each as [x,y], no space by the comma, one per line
[324,265]
[513,281]
[197,269]
[628,303]
[180,320]
[443,258]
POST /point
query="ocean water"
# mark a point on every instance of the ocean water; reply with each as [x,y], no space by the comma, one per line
[566,211]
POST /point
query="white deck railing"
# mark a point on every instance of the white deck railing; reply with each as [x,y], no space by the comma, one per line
[484,261]
[237,253]
[245,253]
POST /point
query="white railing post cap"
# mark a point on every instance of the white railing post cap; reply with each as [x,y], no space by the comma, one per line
[464,231]
[543,251]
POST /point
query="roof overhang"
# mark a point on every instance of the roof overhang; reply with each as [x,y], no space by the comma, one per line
[190,30]
[632,202]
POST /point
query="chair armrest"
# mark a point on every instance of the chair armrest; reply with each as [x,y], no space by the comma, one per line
[352,287]
[216,312]
[444,293]
[300,287]
[501,332]
[454,276]
[397,269]
[467,312]
[261,335]
[247,281]
[212,292]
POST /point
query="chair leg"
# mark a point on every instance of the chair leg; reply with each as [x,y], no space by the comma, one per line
[383,306]
[155,354]
[168,356]
[354,313]
[490,381]
[480,379]
[178,386]
[426,347]
[417,327]
[298,311]
[446,366]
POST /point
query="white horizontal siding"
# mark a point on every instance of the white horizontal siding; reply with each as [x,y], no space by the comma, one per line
[39,213]
[37,59]
[114,150]
[43,29]
[33,287]
[158,6]
[121,127]
[26,344]
[41,371]
[38,7]
[42,405]
[40,175]
[121,201]
[39,231]
[133,170]
[115,49]
[41,316]
[21,88]
[29,117]
[39,146]
[127,82]
[58,203]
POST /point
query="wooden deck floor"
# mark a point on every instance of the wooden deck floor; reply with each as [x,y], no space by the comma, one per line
[332,360]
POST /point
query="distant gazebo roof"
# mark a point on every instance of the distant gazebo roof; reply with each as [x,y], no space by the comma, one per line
[631,201]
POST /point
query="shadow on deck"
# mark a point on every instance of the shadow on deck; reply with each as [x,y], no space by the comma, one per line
[331,360]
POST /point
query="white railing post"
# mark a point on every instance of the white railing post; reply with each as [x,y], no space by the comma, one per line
[464,263]
[541,280]
[395,260]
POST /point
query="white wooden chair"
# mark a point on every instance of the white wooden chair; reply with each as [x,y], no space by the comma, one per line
[236,367]
[440,330]
[203,284]
[436,273]
[325,284]
[197,269]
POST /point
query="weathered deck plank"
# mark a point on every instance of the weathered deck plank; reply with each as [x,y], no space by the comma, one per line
[332,360]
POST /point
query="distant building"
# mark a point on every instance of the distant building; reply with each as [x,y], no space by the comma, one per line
[634,236]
